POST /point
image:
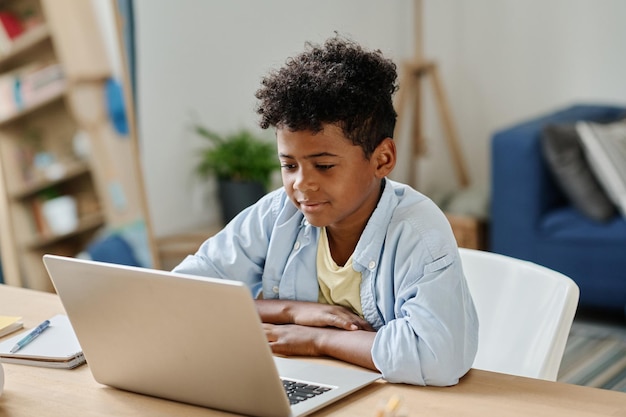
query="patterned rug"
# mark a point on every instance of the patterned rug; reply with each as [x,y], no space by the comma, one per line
[595,356]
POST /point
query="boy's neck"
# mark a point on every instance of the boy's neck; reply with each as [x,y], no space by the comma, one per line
[342,245]
[342,241]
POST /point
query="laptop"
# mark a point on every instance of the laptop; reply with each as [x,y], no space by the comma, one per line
[189,339]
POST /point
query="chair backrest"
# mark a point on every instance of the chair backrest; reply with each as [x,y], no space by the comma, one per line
[525,313]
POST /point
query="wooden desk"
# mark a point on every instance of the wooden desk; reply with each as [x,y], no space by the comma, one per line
[31,391]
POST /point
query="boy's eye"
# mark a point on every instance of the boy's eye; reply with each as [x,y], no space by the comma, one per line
[324,167]
[288,166]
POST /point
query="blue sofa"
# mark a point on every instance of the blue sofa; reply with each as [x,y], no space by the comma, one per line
[532,219]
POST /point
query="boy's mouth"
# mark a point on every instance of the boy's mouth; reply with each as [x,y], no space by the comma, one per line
[311,206]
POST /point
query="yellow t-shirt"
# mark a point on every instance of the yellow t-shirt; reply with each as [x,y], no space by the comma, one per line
[339,285]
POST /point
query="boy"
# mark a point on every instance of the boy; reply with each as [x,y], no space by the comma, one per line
[343,261]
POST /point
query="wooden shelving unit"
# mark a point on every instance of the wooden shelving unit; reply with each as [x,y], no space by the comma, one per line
[40,130]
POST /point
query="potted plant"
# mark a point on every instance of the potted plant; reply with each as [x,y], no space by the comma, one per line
[55,213]
[241,162]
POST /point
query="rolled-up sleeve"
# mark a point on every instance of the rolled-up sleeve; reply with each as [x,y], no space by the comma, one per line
[428,327]
[433,338]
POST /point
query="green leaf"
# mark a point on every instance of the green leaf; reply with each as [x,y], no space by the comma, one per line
[240,156]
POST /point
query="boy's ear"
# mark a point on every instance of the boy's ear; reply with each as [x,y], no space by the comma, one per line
[385,157]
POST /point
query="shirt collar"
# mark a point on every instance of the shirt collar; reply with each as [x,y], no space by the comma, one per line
[370,244]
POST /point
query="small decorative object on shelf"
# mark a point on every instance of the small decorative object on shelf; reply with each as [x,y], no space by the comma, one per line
[55,213]
[61,214]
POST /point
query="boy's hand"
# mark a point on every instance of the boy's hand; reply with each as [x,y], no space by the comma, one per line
[295,340]
[292,340]
[326,315]
[310,314]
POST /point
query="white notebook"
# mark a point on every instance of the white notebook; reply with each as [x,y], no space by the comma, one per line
[56,347]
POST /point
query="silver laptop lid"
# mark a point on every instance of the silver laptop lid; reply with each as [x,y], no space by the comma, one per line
[185,338]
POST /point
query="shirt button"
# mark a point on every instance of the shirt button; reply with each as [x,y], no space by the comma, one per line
[275,290]
[371,265]
[296,246]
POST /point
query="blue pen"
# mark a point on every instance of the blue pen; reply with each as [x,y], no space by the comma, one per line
[31,336]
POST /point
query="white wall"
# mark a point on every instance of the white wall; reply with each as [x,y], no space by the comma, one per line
[207,58]
[507,60]
[501,61]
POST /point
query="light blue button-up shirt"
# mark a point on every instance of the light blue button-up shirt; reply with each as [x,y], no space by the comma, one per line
[413,291]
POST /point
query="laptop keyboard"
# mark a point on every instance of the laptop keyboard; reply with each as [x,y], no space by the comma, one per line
[299,391]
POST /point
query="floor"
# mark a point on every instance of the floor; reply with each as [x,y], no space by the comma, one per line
[602,322]
[595,354]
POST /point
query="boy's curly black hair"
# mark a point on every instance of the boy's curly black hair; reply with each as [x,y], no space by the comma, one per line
[337,83]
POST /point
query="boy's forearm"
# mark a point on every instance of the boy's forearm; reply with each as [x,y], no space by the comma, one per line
[274,311]
[309,313]
[353,346]
[350,346]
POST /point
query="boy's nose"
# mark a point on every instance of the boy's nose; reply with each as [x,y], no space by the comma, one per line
[304,182]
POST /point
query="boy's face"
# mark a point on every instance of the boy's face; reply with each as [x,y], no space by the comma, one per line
[329,179]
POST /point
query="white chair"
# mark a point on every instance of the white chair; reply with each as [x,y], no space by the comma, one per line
[525,313]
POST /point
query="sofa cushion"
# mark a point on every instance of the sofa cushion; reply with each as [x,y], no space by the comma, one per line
[566,160]
[570,227]
[605,148]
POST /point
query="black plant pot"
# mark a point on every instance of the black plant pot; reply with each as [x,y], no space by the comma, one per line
[237,195]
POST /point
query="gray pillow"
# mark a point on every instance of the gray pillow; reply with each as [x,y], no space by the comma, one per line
[604,146]
[563,151]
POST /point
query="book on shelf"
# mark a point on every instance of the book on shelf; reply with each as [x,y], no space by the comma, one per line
[10,28]
[10,324]
[29,85]
[8,104]
[39,82]
[56,347]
